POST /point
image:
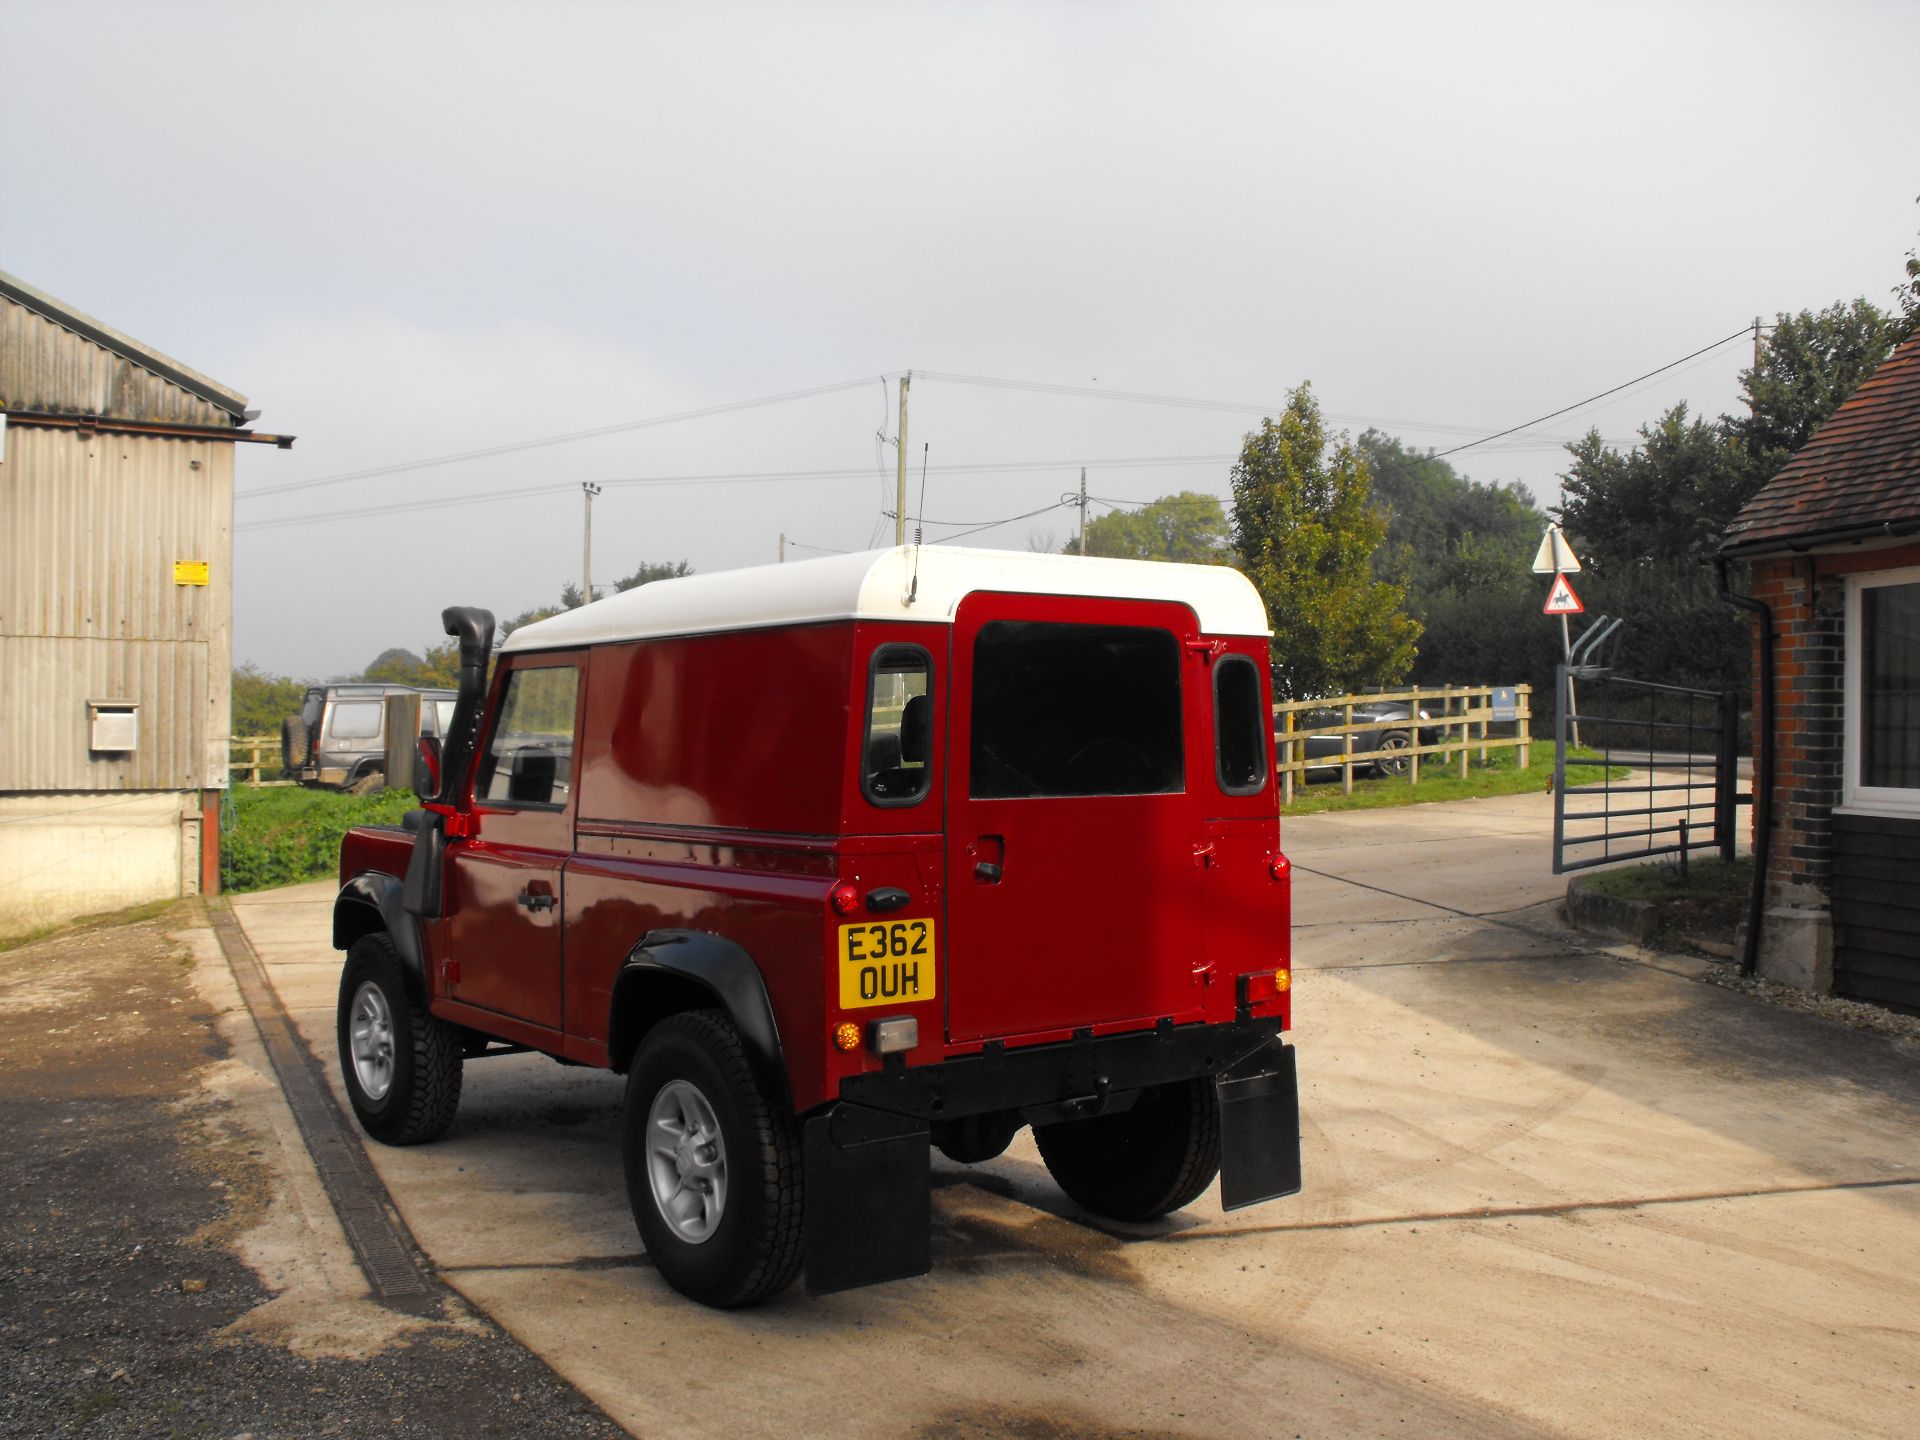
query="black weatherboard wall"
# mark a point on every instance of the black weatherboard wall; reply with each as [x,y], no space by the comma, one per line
[1876,909]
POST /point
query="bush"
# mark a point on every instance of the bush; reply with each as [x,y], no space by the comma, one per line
[282,835]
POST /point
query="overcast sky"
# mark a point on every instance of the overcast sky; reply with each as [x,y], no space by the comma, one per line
[411,230]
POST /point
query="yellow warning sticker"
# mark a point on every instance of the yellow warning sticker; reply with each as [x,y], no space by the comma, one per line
[190,572]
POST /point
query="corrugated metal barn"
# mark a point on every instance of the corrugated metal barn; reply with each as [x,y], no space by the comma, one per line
[116,614]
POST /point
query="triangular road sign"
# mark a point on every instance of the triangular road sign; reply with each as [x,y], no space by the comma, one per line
[1554,554]
[1561,600]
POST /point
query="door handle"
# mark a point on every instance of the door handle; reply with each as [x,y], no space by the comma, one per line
[989,854]
[537,900]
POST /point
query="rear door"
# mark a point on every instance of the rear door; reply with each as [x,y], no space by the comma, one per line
[1073,835]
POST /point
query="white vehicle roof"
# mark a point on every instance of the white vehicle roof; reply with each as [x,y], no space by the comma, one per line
[876,585]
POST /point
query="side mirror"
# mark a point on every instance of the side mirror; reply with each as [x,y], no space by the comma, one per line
[426,768]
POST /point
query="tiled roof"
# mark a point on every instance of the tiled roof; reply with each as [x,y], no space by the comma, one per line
[1860,469]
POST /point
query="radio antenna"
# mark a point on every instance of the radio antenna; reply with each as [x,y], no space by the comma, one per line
[919,522]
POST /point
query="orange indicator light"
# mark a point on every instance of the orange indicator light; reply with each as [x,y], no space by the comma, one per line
[1283,980]
[846,1036]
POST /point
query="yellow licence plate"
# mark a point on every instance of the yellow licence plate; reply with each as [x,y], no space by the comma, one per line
[886,962]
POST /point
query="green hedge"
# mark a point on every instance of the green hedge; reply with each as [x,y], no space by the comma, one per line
[283,835]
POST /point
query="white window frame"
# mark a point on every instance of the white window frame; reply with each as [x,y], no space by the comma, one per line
[1868,799]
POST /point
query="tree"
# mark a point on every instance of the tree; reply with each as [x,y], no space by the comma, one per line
[1665,502]
[1807,366]
[1646,524]
[1908,292]
[1305,531]
[1466,548]
[261,701]
[1189,527]
[646,574]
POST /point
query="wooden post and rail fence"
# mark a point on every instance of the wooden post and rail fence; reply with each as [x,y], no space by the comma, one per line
[1459,720]
[1455,722]
[245,757]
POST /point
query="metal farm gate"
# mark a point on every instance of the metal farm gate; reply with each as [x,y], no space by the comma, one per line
[1682,745]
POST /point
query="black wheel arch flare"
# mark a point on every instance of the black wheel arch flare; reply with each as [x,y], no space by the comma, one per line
[372,901]
[672,970]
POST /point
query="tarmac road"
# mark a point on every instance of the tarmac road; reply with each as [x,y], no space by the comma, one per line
[1552,1188]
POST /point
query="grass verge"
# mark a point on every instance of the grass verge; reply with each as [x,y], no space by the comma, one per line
[1707,904]
[1500,775]
[284,835]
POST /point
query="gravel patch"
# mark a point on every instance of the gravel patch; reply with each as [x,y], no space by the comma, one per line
[118,1201]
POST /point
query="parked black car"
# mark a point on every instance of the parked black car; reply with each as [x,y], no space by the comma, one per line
[1329,748]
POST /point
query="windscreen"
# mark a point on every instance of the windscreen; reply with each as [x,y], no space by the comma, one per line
[1062,709]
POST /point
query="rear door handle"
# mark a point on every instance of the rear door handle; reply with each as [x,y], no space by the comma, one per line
[537,899]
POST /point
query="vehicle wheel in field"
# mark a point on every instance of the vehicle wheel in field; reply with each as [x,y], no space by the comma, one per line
[713,1170]
[370,783]
[401,1065]
[293,743]
[1143,1162]
[1396,764]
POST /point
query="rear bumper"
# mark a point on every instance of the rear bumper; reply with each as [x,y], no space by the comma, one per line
[1077,1078]
[868,1189]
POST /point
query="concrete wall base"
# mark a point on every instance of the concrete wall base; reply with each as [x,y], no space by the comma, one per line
[87,853]
[1796,947]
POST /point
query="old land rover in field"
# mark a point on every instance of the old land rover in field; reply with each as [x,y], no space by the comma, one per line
[838,861]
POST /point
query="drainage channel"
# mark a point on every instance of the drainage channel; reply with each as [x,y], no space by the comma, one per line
[387,1255]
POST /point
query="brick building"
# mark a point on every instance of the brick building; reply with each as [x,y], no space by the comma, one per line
[1834,543]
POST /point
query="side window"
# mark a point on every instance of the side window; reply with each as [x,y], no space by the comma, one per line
[355,720]
[896,764]
[529,760]
[1240,726]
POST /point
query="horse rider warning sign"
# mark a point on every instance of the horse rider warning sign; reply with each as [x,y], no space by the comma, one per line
[1561,600]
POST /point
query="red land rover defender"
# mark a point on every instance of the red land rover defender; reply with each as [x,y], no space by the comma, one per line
[838,860]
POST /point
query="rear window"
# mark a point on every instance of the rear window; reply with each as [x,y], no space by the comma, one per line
[1064,710]
[1240,726]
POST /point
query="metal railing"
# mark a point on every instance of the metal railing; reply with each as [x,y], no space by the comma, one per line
[1463,716]
[1672,755]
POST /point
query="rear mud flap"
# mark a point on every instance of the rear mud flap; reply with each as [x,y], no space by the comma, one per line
[1259,1128]
[869,1198]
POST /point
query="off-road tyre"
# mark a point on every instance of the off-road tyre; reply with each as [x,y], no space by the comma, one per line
[1143,1162]
[1393,767]
[424,1092]
[754,1250]
[371,783]
[295,743]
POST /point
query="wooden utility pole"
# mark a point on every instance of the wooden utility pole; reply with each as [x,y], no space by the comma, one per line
[1083,510]
[586,545]
[900,490]
[1753,408]
[783,547]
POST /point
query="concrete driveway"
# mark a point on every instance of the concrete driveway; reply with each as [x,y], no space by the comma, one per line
[1552,1188]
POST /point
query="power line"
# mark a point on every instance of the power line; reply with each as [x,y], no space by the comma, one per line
[513,447]
[1741,334]
[995,525]
[1188,402]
